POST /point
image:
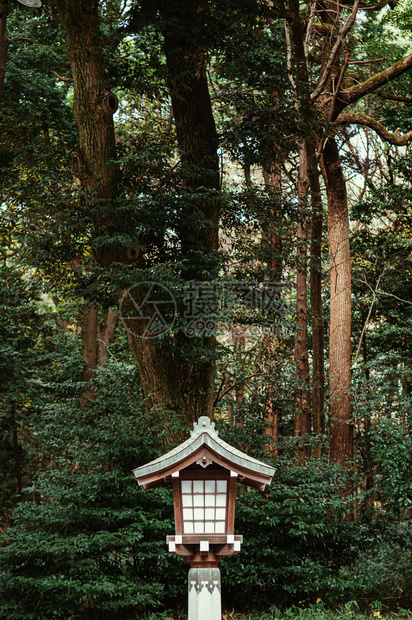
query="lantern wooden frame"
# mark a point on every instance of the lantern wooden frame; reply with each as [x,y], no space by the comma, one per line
[204,456]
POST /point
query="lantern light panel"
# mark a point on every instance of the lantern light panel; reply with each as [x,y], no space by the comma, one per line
[204,506]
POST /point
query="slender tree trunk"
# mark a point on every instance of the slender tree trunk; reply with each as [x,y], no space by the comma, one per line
[272,411]
[366,447]
[106,336]
[274,244]
[341,426]
[318,367]
[239,343]
[302,103]
[16,449]
[271,240]
[4,41]
[89,329]
[229,401]
[302,415]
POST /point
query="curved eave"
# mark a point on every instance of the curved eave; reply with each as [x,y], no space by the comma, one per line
[250,470]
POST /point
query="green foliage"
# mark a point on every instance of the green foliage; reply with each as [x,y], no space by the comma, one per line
[25,351]
[318,611]
[87,542]
[296,537]
[350,611]
[84,541]
[384,570]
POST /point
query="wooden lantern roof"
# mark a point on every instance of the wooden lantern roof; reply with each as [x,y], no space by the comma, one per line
[204,448]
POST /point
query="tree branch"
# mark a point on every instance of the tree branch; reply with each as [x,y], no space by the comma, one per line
[289,56]
[234,384]
[221,383]
[368,62]
[338,86]
[22,39]
[375,82]
[374,294]
[376,7]
[335,50]
[367,121]
[309,30]
[394,97]
[62,79]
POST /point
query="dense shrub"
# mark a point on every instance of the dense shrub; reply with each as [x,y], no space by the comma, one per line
[88,543]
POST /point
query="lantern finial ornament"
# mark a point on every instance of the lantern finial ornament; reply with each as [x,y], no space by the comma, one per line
[204,471]
[204,423]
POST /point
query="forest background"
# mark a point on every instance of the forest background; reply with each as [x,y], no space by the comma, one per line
[246,168]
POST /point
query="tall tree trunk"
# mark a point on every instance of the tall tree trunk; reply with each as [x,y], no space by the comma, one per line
[16,449]
[106,336]
[93,104]
[89,329]
[272,409]
[174,380]
[318,367]
[271,240]
[274,244]
[93,107]
[341,426]
[302,104]
[302,415]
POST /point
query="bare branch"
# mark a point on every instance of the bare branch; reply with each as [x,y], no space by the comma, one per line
[374,294]
[22,39]
[234,384]
[368,62]
[404,301]
[335,50]
[62,79]
[289,55]
[338,86]
[367,121]
[224,374]
[309,29]
[394,97]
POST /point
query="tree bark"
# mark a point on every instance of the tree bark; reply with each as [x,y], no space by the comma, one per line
[341,426]
[168,380]
[302,415]
[94,163]
[93,107]
[274,243]
[270,238]
[272,409]
[106,336]
[89,329]
[318,367]
[172,378]
[16,449]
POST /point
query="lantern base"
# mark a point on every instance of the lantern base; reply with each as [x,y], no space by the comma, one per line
[204,594]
